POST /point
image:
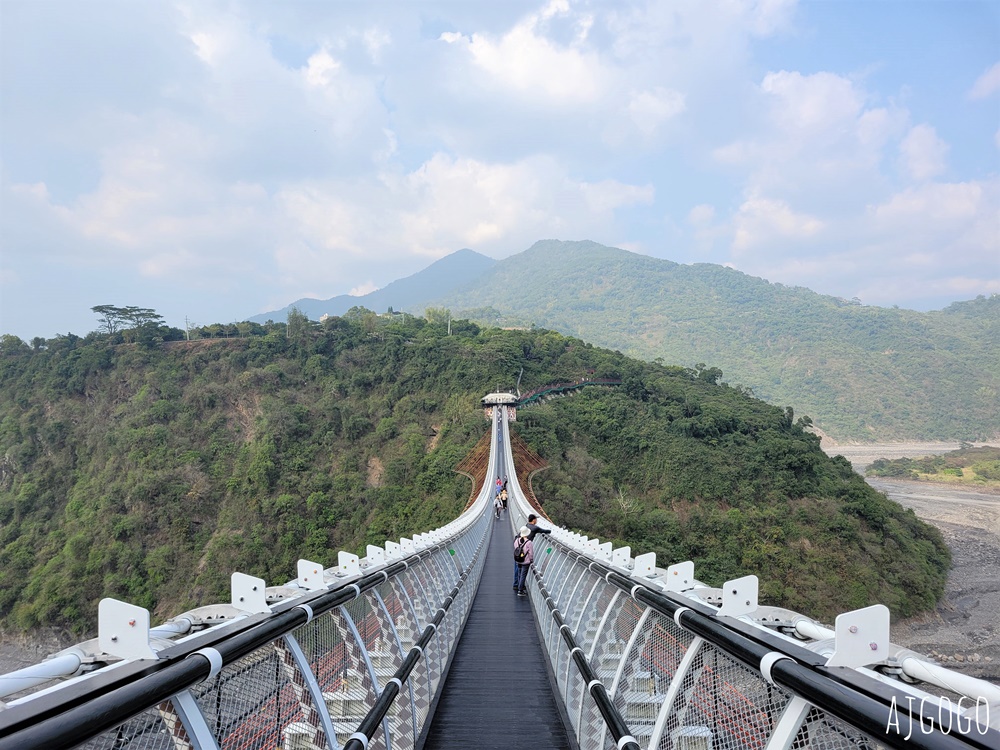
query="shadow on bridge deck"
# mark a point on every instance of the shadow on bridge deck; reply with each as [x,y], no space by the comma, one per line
[497,693]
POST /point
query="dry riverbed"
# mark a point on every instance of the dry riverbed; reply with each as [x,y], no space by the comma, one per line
[963,632]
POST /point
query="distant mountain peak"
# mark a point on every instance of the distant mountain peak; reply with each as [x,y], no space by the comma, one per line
[438,279]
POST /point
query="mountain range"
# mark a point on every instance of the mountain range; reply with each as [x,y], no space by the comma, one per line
[407,294]
[861,373]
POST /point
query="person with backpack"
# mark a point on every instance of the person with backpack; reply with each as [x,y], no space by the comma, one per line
[524,554]
[533,529]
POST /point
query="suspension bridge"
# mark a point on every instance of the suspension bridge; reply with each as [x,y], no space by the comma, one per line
[423,644]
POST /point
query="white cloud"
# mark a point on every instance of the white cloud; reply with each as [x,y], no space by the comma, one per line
[495,206]
[930,241]
[875,127]
[526,61]
[964,287]
[811,129]
[987,84]
[320,69]
[37,191]
[554,8]
[208,46]
[768,17]
[375,40]
[809,104]
[650,109]
[762,220]
[321,216]
[814,141]
[462,202]
[583,26]
[608,195]
[362,289]
[923,154]
[171,263]
[935,202]
[704,34]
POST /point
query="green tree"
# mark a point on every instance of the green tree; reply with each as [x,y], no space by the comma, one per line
[438,315]
[298,325]
[116,319]
[140,316]
[11,344]
[111,317]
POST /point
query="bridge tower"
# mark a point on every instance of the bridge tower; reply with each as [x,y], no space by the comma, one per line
[492,400]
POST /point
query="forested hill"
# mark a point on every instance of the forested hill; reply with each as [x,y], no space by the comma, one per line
[861,373]
[149,471]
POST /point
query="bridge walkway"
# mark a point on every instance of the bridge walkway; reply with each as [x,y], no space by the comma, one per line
[497,693]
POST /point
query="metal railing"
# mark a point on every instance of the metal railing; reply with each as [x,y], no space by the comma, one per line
[355,656]
[298,667]
[695,668]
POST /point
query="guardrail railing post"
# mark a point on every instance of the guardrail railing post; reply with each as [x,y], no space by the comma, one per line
[402,652]
[196,732]
[307,690]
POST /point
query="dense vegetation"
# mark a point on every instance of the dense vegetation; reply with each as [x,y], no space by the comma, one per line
[149,470]
[693,472]
[863,373]
[977,466]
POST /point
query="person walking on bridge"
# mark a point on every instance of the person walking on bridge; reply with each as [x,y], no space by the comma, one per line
[524,554]
[533,530]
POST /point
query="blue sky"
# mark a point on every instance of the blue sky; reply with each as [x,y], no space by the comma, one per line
[215,160]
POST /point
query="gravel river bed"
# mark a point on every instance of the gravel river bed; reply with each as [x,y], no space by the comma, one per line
[963,632]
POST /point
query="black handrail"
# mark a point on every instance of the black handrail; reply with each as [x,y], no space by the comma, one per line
[609,712]
[870,709]
[372,722]
[64,720]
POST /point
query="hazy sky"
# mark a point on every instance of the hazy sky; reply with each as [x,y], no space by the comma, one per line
[214,160]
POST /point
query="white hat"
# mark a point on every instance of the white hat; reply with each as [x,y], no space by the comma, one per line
[525,531]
